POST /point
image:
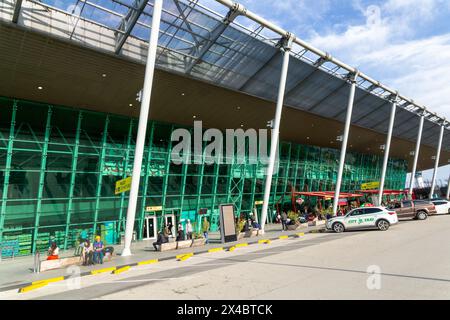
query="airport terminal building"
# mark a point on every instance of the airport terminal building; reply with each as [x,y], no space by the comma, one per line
[69,120]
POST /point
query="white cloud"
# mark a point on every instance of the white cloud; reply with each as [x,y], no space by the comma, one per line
[384,47]
[387,47]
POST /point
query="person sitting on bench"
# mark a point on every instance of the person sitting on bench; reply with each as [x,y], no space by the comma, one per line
[162,238]
[98,250]
[87,253]
[53,252]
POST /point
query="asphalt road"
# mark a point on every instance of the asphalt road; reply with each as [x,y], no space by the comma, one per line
[410,261]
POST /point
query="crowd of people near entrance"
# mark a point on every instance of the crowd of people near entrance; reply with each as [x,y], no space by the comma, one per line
[94,252]
[182,234]
[90,253]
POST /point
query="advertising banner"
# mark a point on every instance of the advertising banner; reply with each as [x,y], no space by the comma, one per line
[227,223]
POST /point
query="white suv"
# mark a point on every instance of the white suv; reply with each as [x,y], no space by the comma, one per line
[364,218]
[442,206]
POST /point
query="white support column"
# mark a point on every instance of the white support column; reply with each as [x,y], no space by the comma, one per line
[142,128]
[276,129]
[348,122]
[436,165]
[387,150]
[416,156]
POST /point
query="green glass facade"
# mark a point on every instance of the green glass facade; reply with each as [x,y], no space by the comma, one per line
[59,166]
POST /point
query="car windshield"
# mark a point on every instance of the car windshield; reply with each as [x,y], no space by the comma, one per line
[421,203]
[394,205]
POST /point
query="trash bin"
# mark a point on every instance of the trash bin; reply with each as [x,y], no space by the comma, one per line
[122,237]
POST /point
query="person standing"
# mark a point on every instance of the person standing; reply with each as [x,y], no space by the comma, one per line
[98,250]
[166,230]
[170,229]
[189,230]
[180,233]
[205,229]
[283,221]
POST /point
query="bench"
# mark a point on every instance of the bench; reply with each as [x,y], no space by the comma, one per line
[167,246]
[184,244]
[65,262]
[59,263]
[198,242]
[251,233]
[317,223]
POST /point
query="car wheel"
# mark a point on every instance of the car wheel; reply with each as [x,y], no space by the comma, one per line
[449,211]
[338,227]
[422,215]
[383,225]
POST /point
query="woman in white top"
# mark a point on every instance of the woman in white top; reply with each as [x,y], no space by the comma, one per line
[53,252]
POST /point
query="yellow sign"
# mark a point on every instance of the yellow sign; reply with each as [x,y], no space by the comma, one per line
[258,203]
[123,185]
[152,209]
[370,186]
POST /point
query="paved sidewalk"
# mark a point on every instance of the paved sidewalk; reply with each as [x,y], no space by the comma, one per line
[15,273]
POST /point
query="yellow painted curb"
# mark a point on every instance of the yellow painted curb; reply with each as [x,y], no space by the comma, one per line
[143,263]
[184,258]
[215,250]
[48,280]
[94,272]
[300,234]
[184,255]
[121,270]
[232,249]
[33,287]
[240,245]
[266,241]
[284,237]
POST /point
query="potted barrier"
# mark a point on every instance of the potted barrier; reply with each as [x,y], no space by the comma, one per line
[198,240]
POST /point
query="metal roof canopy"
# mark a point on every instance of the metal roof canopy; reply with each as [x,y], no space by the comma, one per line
[204,44]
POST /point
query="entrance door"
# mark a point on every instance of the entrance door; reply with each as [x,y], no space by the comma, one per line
[170,219]
[150,230]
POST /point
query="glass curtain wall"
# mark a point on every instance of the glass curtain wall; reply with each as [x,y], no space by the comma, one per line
[59,166]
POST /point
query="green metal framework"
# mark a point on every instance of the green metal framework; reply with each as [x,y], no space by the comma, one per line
[59,166]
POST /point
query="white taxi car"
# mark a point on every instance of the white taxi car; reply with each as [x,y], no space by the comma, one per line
[364,218]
